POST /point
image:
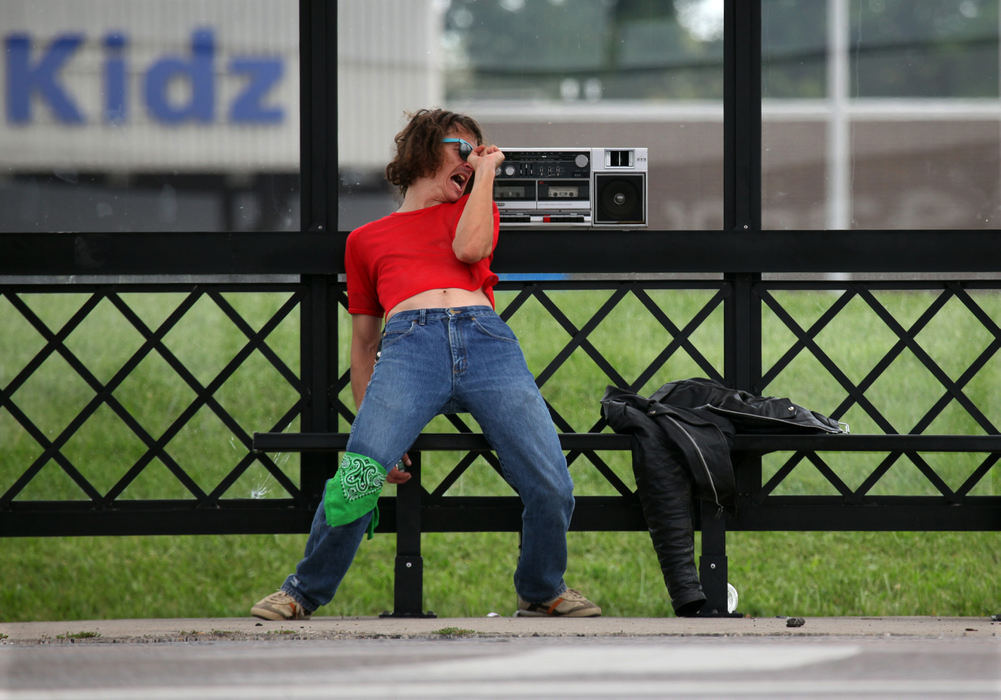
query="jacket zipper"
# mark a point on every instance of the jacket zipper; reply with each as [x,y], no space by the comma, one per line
[702,459]
[769,418]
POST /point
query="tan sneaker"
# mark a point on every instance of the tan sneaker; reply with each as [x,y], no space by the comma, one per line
[570,603]
[279,606]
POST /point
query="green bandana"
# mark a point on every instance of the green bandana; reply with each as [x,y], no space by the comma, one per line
[354,491]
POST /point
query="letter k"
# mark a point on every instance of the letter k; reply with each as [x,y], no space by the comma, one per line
[23,79]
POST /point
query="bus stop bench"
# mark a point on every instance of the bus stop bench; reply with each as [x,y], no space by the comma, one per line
[415,510]
[758,443]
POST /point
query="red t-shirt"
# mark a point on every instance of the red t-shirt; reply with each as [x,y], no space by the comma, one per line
[406,253]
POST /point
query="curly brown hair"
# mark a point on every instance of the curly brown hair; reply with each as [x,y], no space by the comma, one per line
[418,145]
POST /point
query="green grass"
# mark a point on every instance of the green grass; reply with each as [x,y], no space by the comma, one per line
[79,635]
[454,632]
[469,574]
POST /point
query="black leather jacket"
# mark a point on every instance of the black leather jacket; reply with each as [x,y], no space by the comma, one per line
[682,436]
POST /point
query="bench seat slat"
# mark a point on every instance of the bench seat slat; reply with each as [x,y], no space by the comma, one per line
[334,442]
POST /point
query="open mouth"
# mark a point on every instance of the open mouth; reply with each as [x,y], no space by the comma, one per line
[460,179]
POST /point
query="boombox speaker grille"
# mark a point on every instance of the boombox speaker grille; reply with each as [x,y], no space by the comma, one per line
[619,198]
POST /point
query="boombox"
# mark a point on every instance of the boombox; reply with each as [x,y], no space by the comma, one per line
[600,187]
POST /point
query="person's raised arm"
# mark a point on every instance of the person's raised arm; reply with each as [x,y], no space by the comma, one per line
[474,234]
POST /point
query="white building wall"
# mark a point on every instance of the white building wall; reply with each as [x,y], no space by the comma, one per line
[389,63]
[265,30]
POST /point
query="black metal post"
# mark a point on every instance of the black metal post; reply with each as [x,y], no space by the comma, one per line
[742,115]
[742,213]
[318,191]
[408,587]
[713,563]
[318,114]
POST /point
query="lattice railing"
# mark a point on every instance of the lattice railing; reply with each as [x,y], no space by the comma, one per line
[145,397]
[942,340]
[109,384]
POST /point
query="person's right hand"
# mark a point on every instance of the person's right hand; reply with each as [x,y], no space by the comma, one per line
[491,156]
[397,475]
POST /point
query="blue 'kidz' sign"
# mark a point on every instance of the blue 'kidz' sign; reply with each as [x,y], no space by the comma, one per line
[41,77]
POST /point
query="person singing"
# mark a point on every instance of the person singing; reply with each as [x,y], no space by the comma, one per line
[426,340]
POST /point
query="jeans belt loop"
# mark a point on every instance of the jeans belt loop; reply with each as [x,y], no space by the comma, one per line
[423,317]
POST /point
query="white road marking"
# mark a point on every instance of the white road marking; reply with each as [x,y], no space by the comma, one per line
[605,661]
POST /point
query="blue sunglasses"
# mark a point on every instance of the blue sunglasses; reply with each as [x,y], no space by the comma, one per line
[465,148]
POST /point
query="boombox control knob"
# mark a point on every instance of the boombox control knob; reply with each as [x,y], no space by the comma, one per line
[581,160]
[509,170]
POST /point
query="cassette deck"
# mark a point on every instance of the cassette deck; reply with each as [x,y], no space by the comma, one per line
[599,187]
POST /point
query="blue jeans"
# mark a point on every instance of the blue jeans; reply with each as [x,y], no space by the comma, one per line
[450,361]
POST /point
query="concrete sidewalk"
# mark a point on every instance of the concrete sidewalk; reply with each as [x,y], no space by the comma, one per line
[325,628]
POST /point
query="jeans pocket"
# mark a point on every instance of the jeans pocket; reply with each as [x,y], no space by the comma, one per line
[493,326]
[395,332]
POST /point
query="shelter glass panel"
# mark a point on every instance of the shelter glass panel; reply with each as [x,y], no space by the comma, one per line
[540,74]
[881,114]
